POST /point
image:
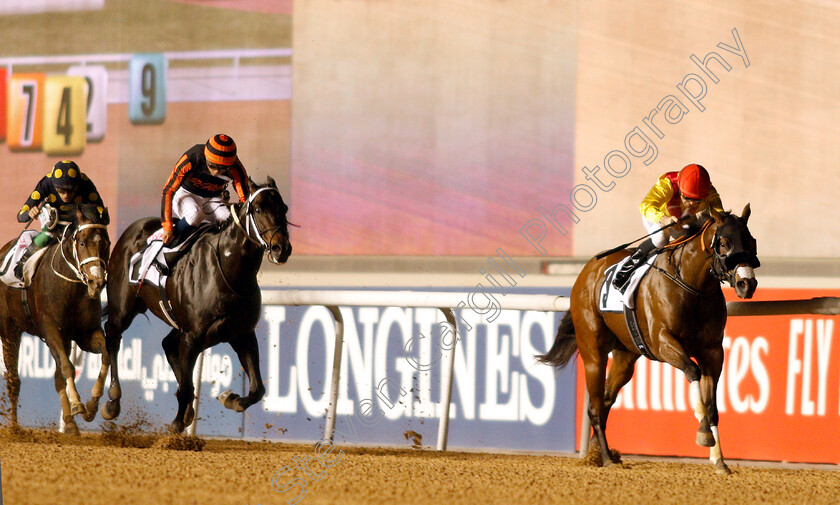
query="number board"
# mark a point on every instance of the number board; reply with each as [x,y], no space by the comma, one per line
[96,94]
[3,98]
[65,118]
[147,88]
[25,111]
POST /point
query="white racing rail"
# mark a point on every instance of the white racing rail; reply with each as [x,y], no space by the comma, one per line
[444,301]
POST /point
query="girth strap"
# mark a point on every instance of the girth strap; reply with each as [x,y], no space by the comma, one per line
[636,332]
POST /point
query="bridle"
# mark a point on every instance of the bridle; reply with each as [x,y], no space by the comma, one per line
[724,266]
[251,228]
[76,265]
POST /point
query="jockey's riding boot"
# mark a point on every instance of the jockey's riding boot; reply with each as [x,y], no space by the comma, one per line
[183,229]
[637,258]
[30,250]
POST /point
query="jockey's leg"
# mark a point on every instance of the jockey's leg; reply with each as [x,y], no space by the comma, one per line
[220,211]
[637,258]
[39,242]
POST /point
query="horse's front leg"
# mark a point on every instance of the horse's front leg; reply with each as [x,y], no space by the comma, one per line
[711,363]
[70,426]
[113,337]
[98,342]
[60,352]
[185,358]
[248,351]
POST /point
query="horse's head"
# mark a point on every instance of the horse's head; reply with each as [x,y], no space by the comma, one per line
[91,246]
[735,254]
[265,220]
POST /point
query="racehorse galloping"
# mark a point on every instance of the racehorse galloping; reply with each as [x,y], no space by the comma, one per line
[681,312]
[61,305]
[213,291]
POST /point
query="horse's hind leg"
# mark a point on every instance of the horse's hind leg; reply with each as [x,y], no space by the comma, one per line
[11,349]
[711,362]
[621,371]
[595,367]
[248,352]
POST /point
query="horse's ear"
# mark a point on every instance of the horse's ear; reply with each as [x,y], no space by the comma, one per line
[106,218]
[745,215]
[251,184]
[716,215]
[271,182]
[79,215]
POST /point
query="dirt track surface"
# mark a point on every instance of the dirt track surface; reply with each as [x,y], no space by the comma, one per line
[45,468]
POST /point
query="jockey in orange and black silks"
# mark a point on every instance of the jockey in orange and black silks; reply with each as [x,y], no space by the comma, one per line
[675,194]
[62,187]
[193,192]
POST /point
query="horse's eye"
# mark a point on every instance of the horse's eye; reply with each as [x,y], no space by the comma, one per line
[82,243]
[257,210]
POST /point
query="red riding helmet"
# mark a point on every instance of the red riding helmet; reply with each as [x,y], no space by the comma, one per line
[694,182]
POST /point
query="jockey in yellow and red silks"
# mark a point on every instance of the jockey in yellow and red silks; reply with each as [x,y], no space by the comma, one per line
[675,194]
[193,192]
[62,187]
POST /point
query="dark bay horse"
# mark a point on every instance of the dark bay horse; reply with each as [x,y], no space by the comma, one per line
[214,295]
[681,313]
[61,305]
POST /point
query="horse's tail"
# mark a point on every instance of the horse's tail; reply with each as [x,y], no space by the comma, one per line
[565,345]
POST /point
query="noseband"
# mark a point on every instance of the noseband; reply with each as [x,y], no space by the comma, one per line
[76,265]
[724,265]
[251,228]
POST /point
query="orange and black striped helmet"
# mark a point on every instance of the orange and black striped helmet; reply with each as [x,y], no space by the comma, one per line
[220,150]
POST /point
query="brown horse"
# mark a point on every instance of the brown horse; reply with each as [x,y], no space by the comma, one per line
[681,313]
[214,294]
[61,305]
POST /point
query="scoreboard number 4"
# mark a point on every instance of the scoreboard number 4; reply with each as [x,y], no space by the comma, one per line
[65,115]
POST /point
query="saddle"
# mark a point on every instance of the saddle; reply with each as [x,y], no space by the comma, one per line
[10,259]
[162,258]
[611,299]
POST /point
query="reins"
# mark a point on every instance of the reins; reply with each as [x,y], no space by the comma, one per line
[680,243]
[81,278]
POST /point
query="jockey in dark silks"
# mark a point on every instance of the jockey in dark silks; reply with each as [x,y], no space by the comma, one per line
[62,187]
[194,190]
[675,194]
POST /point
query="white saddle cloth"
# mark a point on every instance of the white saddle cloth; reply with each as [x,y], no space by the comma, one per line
[613,300]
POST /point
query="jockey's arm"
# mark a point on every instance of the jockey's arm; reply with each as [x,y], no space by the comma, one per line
[654,206]
[714,200]
[30,207]
[240,180]
[182,168]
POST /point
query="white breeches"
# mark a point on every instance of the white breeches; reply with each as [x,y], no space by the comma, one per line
[198,209]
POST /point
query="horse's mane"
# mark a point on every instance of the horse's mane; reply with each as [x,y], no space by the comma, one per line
[90,211]
[693,226]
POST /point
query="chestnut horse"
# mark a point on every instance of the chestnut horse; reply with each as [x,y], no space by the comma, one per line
[61,305]
[681,312]
[214,295]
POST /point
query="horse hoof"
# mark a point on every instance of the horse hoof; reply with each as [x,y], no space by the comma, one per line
[189,415]
[177,427]
[721,468]
[77,408]
[228,399]
[705,439]
[90,410]
[110,410]
[70,427]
